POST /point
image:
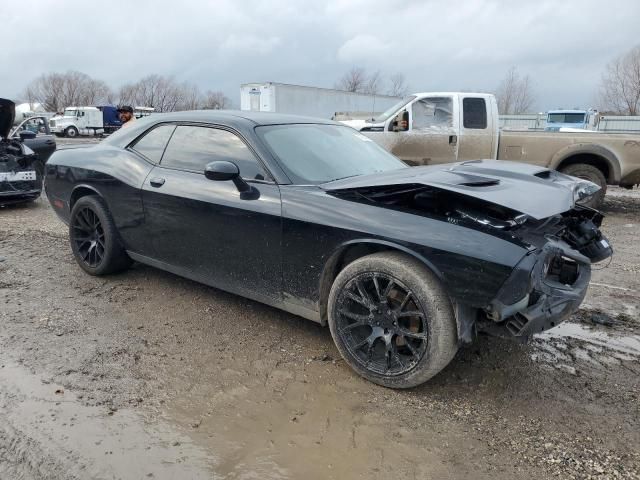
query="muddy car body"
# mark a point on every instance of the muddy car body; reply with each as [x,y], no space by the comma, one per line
[21,169]
[312,217]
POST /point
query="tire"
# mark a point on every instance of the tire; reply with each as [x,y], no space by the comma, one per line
[94,239]
[593,174]
[373,332]
[71,132]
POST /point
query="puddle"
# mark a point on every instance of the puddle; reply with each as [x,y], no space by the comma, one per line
[285,427]
[627,344]
[47,429]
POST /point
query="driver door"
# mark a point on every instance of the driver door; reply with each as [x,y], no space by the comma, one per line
[431,137]
[204,229]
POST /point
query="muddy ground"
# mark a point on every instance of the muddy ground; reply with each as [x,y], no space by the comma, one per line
[148,375]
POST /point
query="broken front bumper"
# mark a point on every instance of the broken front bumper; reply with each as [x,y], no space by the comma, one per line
[19,191]
[543,290]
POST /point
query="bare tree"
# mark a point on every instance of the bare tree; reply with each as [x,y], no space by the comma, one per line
[354,80]
[191,97]
[55,91]
[373,83]
[515,93]
[216,101]
[620,84]
[162,93]
[397,85]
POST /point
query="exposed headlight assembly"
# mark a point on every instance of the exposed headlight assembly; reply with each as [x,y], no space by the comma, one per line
[583,190]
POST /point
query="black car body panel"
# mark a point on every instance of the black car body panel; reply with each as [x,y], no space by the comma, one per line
[284,243]
[21,169]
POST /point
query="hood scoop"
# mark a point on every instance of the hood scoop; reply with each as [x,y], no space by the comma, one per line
[481,183]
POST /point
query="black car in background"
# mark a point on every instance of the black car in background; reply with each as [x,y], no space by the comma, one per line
[23,153]
[403,264]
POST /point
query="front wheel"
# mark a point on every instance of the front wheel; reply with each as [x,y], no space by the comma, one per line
[592,174]
[94,239]
[392,320]
[71,132]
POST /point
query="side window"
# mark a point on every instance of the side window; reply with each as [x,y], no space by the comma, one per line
[192,148]
[474,113]
[153,143]
[434,112]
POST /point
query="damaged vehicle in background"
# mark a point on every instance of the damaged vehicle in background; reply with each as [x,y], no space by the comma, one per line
[403,264]
[21,168]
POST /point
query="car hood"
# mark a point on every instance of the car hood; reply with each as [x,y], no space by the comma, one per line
[534,191]
[7,116]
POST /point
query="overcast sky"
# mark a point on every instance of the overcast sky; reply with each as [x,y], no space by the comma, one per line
[438,45]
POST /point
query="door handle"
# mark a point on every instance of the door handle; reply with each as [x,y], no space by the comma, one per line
[157,182]
[453,139]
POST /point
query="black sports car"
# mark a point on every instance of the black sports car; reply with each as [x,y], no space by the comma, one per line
[403,264]
[23,154]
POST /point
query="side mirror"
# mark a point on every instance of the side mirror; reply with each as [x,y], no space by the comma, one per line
[401,122]
[27,135]
[224,171]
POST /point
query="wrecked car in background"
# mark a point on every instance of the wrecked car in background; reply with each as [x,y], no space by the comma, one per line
[403,264]
[21,168]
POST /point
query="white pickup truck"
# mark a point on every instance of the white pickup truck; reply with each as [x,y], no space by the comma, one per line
[442,127]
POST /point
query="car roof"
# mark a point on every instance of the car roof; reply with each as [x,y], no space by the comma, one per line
[236,119]
[232,116]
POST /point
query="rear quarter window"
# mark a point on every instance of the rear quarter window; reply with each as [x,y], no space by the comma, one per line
[152,144]
[474,112]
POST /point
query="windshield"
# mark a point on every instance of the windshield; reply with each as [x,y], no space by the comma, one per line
[565,118]
[384,116]
[316,153]
[70,113]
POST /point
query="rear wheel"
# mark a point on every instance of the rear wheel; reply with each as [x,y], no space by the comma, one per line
[94,239]
[392,320]
[593,174]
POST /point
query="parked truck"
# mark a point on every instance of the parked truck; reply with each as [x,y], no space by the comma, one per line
[77,121]
[310,101]
[442,127]
[568,120]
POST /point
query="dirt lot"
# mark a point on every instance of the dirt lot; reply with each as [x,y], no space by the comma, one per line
[147,375]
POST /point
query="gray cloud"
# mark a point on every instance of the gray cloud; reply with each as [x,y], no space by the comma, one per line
[438,45]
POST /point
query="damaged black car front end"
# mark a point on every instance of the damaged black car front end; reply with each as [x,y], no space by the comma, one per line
[551,281]
[561,238]
[21,170]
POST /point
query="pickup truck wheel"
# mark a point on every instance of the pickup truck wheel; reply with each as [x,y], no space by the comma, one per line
[392,320]
[94,239]
[71,132]
[591,173]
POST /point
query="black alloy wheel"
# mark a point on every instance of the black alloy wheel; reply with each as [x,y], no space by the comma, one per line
[382,323]
[392,320]
[88,236]
[95,241]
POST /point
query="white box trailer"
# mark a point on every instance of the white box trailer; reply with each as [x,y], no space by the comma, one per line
[309,101]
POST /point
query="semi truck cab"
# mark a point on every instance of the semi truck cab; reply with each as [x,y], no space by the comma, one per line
[78,121]
[561,120]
